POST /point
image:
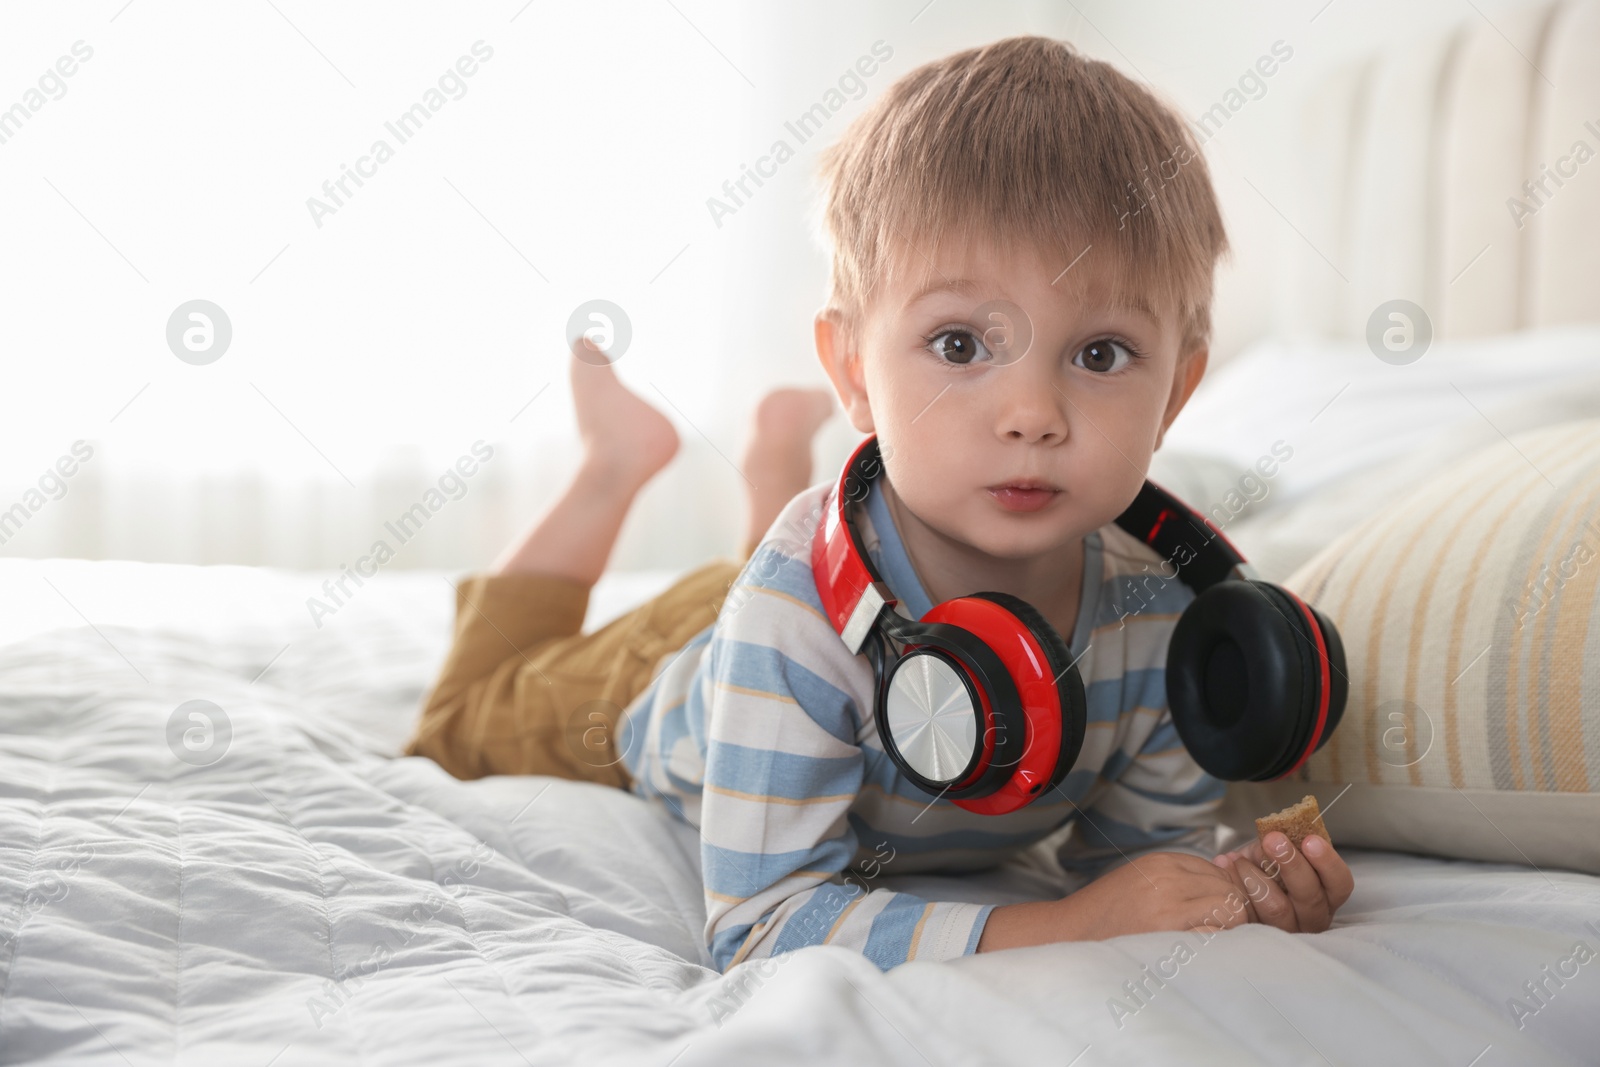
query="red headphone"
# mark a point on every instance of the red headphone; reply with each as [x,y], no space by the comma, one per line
[984,704]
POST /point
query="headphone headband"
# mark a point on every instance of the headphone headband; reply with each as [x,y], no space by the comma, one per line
[1182,536]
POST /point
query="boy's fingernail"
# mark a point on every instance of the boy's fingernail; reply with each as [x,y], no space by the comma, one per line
[1312,846]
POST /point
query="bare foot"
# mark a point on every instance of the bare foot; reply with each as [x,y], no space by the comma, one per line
[777,461]
[625,440]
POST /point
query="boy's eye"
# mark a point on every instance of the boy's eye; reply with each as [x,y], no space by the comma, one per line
[958,346]
[1103,356]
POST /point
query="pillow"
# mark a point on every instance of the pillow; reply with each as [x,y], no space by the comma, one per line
[1470,616]
[1352,434]
[1344,412]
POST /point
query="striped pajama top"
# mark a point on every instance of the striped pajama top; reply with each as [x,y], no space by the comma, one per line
[760,733]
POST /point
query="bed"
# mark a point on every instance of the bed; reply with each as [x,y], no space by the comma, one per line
[211,851]
[308,898]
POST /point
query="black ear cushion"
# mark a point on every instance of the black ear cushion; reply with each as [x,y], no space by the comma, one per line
[1332,666]
[1069,684]
[1305,647]
[1243,680]
[1338,674]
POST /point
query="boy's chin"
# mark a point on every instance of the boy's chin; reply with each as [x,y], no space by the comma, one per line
[1016,538]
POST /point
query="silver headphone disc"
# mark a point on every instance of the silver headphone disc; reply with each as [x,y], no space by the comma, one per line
[931,718]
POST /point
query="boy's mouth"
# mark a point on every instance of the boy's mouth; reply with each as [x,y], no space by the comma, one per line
[1026,494]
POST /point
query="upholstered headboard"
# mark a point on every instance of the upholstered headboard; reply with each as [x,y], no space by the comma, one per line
[1414,166]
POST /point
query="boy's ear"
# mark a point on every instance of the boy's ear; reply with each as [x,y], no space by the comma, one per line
[842,362]
[1191,368]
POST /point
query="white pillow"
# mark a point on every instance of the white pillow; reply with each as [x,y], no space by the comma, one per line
[1342,410]
[1360,434]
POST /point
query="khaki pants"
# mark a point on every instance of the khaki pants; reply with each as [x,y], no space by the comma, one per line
[524,691]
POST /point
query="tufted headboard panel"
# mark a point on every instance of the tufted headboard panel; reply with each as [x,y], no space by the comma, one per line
[1414,164]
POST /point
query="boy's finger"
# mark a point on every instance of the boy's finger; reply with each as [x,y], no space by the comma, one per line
[1337,881]
[1234,891]
[1250,850]
[1226,911]
[1300,881]
[1256,853]
[1270,904]
[1243,895]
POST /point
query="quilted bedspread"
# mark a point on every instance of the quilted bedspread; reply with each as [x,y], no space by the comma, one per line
[209,854]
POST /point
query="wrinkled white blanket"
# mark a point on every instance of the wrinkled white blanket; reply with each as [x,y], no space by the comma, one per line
[306,898]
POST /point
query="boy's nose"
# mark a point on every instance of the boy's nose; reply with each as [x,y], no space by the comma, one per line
[1031,407]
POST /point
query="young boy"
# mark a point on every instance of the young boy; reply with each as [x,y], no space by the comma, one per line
[1023,247]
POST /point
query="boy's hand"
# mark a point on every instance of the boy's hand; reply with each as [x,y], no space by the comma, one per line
[1303,886]
[1156,891]
[1164,891]
[1178,891]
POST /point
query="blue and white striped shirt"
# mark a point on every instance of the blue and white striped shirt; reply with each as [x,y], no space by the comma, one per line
[760,732]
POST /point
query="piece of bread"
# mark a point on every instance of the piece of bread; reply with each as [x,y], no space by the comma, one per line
[1297,822]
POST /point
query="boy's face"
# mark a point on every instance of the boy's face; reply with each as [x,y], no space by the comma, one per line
[1014,453]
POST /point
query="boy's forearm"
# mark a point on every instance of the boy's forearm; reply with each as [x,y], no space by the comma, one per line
[1039,922]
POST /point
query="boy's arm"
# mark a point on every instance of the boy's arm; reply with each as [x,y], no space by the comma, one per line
[1157,800]
[782,770]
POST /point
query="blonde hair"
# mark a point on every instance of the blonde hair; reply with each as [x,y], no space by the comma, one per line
[1024,141]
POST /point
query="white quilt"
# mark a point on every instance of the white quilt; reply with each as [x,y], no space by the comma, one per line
[308,898]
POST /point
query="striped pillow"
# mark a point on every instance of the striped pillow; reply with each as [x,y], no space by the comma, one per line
[1473,724]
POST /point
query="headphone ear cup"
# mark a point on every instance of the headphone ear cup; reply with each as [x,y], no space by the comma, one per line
[1245,680]
[993,699]
[1069,683]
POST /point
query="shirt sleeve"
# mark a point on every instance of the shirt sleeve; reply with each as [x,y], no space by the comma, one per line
[783,768]
[1158,800]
